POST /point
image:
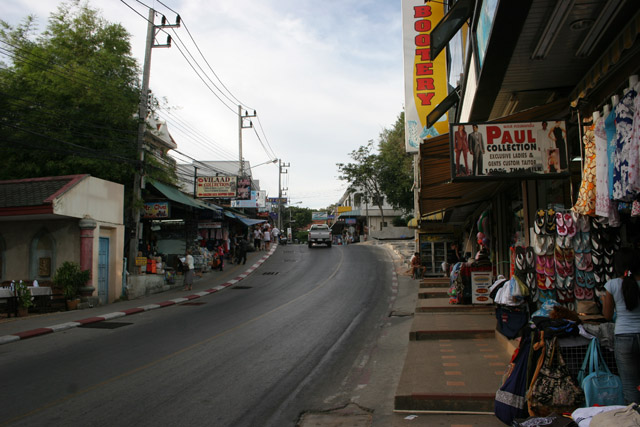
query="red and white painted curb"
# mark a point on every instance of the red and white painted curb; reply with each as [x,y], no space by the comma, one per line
[5,339]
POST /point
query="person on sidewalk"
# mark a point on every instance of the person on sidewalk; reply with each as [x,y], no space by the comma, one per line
[256,238]
[242,250]
[417,269]
[266,238]
[220,254]
[623,295]
[188,274]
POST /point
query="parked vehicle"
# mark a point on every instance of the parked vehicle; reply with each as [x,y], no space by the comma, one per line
[320,233]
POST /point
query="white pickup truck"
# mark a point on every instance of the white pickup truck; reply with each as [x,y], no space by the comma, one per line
[320,233]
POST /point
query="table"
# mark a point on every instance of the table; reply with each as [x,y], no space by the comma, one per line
[41,297]
[10,304]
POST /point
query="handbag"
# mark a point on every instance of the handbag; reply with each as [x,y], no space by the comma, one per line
[511,401]
[600,386]
[552,387]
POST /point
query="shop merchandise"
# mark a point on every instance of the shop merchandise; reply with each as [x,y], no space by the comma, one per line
[552,388]
[586,203]
[623,417]
[600,386]
[510,401]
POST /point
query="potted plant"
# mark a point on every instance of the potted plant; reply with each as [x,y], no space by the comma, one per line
[23,298]
[69,278]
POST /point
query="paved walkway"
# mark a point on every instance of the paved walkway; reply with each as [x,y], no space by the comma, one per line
[20,328]
[454,363]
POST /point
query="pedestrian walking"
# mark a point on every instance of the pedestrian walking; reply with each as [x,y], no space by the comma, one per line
[189,271]
[266,238]
[242,250]
[256,238]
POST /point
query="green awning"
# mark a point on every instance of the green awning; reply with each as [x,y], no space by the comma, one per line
[178,196]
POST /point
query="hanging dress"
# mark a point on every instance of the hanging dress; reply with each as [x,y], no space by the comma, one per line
[586,203]
[624,128]
[603,202]
[634,160]
[613,218]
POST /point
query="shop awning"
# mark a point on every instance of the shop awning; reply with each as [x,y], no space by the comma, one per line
[608,60]
[178,196]
[250,221]
[350,214]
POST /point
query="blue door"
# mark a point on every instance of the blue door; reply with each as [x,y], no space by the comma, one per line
[103,270]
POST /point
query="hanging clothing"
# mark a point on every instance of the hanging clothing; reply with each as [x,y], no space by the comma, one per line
[603,202]
[634,160]
[610,130]
[586,203]
[622,190]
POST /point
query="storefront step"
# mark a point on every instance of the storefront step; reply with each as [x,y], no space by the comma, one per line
[429,326]
[426,305]
[451,375]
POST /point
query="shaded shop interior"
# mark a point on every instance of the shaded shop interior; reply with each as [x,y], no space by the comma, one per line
[545,72]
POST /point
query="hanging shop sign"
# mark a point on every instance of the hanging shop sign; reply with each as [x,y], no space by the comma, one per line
[425,78]
[251,203]
[244,188]
[282,200]
[209,224]
[261,198]
[216,186]
[319,216]
[156,210]
[523,150]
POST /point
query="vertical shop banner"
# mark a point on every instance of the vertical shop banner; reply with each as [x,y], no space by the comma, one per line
[425,78]
[244,188]
[262,199]
[216,186]
[493,151]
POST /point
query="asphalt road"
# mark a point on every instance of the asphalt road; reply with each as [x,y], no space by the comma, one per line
[292,337]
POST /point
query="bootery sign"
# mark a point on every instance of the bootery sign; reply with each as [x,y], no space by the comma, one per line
[493,151]
[216,186]
[425,78]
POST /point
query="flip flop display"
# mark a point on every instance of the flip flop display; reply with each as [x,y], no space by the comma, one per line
[539,224]
[549,220]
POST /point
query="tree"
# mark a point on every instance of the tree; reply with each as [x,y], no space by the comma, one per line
[396,173]
[69,96]
[363,175]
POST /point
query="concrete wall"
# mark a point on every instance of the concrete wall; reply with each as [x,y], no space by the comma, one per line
[21,246]
[101,200]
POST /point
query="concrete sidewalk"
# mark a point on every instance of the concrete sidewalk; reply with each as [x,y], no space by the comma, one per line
[454,364]
[19,328]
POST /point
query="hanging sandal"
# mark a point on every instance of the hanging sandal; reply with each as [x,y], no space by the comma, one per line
[561,229]
[539,224]
[549,221]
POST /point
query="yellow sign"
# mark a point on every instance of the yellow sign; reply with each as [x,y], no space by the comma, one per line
[344,209]
[141,261]
[425,77]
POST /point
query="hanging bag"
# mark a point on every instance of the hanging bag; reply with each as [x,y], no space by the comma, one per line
[511,400]
[552,387]
[600,386]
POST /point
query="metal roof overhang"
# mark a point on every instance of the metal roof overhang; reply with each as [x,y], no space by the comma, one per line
[437,192]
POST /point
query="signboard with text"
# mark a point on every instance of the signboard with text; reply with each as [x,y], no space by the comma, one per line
[156,210]
[216,186]
[251,203]
[425,78]
[523,150]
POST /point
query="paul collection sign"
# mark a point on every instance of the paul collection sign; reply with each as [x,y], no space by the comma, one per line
[491,151]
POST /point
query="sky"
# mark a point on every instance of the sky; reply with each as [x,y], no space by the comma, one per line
[324,77]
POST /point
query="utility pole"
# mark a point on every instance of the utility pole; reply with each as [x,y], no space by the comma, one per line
[280,172]
[241,126]
[143,109]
